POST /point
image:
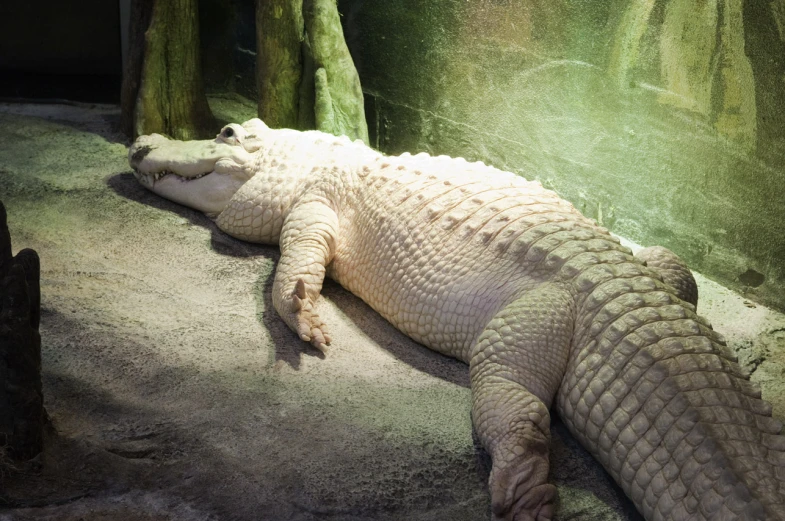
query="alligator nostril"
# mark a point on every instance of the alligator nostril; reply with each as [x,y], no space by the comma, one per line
[140,154]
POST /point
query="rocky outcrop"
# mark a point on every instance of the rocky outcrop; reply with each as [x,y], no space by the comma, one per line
[22,413]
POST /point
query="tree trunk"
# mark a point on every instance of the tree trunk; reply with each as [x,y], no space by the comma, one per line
[162,88]
[22,415]
[141,10]
[279,63]
[338,106]
[305,74]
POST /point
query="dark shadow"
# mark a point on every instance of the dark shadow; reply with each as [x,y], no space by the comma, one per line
[125,185]
[392,340]
[283,338]
[288,346]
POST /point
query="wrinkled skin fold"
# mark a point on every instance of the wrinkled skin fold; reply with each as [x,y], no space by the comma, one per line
[546,307]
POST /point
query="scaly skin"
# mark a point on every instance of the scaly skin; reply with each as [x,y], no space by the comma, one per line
[546,307]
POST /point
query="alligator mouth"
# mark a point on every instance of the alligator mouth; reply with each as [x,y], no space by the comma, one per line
[165,173]
[157,176]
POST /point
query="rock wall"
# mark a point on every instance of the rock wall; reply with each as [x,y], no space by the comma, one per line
[662,119]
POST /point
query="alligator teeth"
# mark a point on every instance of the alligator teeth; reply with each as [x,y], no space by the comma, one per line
[159,175]
[155,176]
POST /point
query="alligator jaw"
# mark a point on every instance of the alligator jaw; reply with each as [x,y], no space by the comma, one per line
[203,175]
[149,179]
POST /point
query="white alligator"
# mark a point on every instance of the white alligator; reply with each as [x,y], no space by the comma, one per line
[546,307]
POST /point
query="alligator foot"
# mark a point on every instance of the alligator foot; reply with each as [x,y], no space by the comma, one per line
[309,326]
[518,490]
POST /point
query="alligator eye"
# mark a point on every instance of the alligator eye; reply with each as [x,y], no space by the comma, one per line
[228,132]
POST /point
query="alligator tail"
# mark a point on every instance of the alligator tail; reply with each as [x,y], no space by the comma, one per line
[652,392]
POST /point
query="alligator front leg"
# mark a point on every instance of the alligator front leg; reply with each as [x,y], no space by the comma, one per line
[516,369]
[307,246]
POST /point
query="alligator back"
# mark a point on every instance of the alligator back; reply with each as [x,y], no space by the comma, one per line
[438,245]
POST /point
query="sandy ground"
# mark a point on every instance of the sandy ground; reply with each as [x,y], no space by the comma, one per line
[176,393]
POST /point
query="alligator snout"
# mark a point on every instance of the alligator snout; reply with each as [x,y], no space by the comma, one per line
[143,146]
[137,154]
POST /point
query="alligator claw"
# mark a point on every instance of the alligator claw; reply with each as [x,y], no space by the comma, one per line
[309,325]
[518,492]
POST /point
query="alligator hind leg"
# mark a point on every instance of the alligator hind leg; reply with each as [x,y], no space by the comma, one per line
[673,271]
[516,367]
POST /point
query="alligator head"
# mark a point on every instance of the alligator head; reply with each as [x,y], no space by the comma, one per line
[200,174]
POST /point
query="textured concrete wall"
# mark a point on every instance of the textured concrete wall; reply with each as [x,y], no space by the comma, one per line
[663,119]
